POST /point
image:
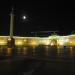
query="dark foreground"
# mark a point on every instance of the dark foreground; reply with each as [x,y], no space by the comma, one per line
[42,62]
[36,67]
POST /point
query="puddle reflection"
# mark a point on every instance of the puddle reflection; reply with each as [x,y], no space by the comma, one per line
[39,51]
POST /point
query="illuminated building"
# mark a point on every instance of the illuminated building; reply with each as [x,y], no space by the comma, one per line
[52,40]
[19,41]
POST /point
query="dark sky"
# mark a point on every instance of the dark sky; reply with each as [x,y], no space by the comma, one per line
[41,16]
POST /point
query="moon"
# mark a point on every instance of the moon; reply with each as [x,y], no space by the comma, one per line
[24,17]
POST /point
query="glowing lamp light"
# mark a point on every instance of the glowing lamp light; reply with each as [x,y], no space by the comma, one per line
[33,43]
[47,43]
[61,43]
[19,43]
[52,44]
[9,39]
[67,40]
[3,42]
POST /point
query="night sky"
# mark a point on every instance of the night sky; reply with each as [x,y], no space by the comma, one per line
[41,16]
